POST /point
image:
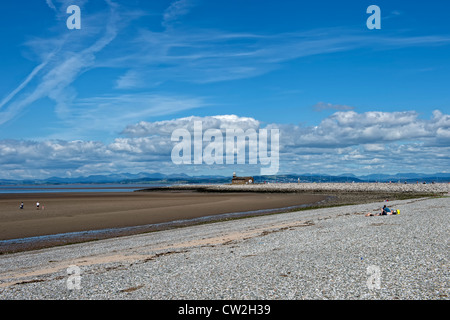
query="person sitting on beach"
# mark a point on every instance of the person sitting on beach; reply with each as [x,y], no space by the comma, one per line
[384,212]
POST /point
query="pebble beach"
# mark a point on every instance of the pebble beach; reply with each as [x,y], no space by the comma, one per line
[326,253]
[324,187]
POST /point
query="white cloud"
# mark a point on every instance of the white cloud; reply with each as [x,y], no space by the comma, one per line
[374,147]
[50,5]
[336,145]
[347,128]
[166,127]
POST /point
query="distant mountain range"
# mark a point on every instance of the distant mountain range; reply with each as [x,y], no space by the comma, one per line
[349,177]
[152,178]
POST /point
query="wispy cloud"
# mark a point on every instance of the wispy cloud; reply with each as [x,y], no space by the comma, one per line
[176,53]
[50,4]
[321,106]
[203,56]
[95,116]
[62,65]
[24,83]
[177,9]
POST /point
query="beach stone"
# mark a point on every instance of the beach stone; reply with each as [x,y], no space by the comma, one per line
[326,187]
[324,253]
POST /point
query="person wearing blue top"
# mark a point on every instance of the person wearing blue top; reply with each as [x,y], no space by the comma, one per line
[384,212]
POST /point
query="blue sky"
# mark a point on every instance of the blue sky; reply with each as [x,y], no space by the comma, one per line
[345,98]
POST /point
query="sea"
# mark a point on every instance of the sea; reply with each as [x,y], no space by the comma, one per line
[48,188]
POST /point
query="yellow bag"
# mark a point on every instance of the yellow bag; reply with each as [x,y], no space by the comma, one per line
[398,211]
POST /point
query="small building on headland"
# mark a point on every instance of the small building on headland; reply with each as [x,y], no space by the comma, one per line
[241,180]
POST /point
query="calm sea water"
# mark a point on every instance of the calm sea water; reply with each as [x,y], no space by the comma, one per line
[77,188]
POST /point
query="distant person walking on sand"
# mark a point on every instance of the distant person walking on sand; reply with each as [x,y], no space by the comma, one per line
[37,205]
[21,205]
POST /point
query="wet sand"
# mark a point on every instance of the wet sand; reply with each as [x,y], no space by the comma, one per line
[314,254]
[75,217]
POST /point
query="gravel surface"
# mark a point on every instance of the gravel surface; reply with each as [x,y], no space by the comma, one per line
[327,253]
[324,187]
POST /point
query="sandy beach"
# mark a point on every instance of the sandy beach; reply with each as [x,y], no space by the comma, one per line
[122,213]
[65,218]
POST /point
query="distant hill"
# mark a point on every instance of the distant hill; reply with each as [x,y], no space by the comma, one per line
[151,178]
[408,177]
[124,178]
